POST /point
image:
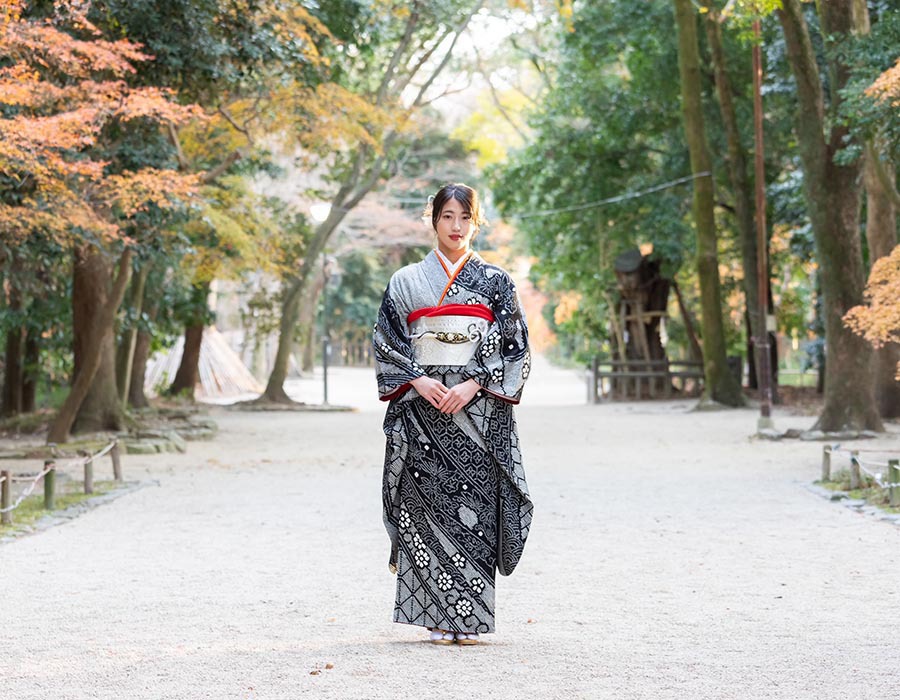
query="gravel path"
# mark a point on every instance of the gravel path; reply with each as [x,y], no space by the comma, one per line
[671,557]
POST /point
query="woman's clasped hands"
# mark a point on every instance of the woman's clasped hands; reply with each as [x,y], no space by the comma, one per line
[444,399]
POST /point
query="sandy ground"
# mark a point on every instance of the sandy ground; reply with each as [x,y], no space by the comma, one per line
[671,557]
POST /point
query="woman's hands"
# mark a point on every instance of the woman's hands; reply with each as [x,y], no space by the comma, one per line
[444,399]
[430,389]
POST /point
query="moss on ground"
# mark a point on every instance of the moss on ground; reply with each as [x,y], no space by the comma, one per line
[69,494]
[869,491]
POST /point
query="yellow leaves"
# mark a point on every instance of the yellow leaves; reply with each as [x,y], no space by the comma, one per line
[487,130]
[887,86]
[335,116]
[566,307]
[878,320]
[293,23]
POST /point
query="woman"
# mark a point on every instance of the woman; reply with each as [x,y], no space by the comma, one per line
[451,348]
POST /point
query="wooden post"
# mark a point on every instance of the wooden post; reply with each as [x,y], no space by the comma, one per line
[116,461]
[826,463]
[88,472]
[854,470]
[6,496]
[50,485]
[893,478]
[593,390]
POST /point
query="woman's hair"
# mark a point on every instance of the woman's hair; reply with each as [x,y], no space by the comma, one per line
[463,194]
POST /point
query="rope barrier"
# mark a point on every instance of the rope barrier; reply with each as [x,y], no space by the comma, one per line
[27,492]
[80,462]
[862,464]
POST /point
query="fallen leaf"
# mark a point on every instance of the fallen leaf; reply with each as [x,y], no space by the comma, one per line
[328,667]
[315,673]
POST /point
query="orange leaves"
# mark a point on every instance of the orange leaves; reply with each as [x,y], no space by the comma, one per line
[878,321]
[887,86]
[131,192]
[46,47]
[156,104]
[57,109]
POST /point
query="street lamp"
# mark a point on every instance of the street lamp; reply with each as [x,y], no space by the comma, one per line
[319,212]
[330,278]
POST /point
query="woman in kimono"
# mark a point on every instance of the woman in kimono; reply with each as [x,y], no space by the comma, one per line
[451,348]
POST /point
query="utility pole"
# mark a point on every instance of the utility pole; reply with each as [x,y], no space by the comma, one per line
[762,272]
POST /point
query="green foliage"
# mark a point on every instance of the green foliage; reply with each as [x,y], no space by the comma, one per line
[610,124]
[868,117]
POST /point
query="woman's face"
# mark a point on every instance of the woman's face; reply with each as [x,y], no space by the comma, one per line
[454,230]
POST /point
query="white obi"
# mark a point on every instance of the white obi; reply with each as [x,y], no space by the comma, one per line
[447,338]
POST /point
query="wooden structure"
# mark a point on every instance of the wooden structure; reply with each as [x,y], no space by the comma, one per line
[639,379]
[640,367]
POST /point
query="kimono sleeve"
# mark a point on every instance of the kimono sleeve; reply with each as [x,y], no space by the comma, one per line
[502,361]
[395,367]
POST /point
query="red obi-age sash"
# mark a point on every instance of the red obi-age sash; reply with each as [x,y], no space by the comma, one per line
[477,310]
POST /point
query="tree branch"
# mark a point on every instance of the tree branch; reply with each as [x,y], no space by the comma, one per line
[401,48]
[446,59]
[496,98]
[212,175]
[183,162]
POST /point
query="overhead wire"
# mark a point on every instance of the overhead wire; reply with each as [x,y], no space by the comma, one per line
[613,200]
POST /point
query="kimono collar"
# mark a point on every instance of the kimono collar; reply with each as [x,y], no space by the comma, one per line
[452,267]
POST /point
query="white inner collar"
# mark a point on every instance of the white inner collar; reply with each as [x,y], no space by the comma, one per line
[453,267]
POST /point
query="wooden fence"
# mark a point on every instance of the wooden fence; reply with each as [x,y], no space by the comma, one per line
[48,475]
[643,379]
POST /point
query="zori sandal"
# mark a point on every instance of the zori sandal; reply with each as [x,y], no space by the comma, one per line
[441,637]
[467,639]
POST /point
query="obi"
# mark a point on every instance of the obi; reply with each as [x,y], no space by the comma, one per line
[448,335]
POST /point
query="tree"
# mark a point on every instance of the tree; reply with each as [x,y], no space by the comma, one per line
[61,88]
[832,195]
[867,110]
[383,58]
[878,320]
[720,384]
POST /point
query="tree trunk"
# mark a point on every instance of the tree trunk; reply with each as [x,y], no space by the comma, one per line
[740,185]
[307,325]
[100,408]
[188,374]
[128,340]
[136,396]
[91,337]
[13,374]
[881,235]
[720,384]
[32,370]
[290,314]
[291,306]
[832,196]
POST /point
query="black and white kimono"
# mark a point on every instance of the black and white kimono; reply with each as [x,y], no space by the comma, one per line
[456,503]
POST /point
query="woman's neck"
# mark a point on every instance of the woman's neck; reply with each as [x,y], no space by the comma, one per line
[454,256]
